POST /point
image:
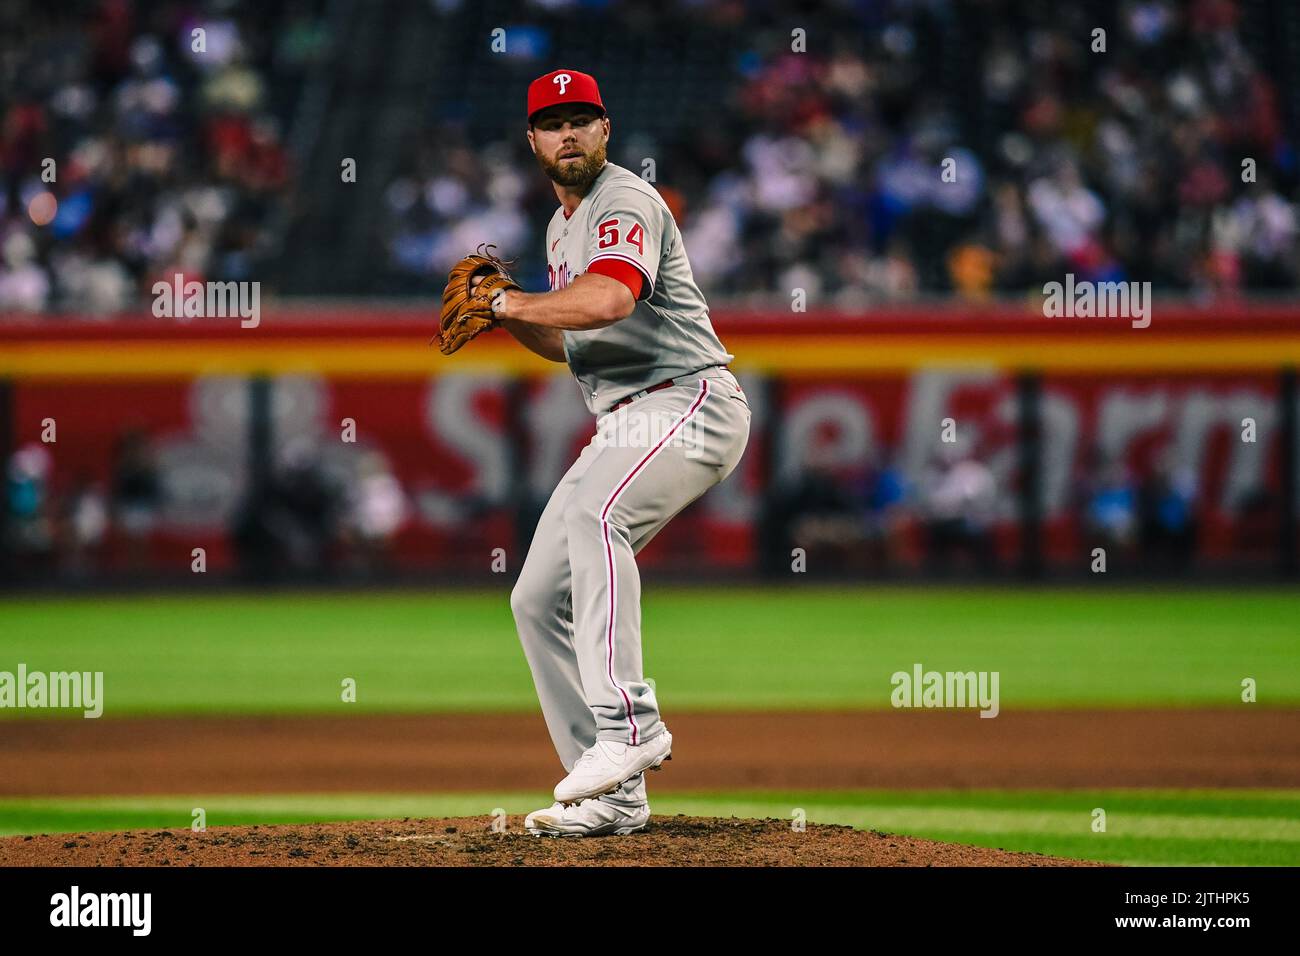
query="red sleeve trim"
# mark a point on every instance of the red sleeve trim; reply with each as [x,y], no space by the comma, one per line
[624,272]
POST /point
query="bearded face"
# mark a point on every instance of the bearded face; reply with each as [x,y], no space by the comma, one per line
[575,169]
[570,144]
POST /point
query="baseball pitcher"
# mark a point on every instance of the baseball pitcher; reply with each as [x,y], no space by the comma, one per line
[625,313]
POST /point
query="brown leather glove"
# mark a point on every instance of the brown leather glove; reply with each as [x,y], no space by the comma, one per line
[466,308]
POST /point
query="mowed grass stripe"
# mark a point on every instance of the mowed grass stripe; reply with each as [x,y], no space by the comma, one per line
[707,648]
[894,819]
[1218,802]
[21,816]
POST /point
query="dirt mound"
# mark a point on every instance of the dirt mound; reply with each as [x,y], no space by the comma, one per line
[470,841]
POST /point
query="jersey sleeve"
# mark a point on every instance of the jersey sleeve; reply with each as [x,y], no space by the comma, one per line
[628,227]
[624,272]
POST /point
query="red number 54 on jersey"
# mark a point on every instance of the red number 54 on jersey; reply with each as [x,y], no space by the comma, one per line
[608,231]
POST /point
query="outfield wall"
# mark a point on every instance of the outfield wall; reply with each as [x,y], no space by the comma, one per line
[477,440]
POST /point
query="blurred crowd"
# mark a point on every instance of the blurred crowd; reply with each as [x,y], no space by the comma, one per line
[901,149]
[875,519]
[53,531]
[308,518]
[931,148]
[311,518]
[133,148]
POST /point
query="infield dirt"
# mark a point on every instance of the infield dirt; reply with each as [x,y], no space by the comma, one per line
[813,750]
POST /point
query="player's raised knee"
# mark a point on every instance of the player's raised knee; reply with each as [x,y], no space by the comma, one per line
[582,514]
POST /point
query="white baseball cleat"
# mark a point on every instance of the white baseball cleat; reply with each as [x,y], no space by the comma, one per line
[589,818]
[604,766]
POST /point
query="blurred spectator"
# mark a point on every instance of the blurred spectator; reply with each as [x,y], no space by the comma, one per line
[1110,512]
[1112,506]
[287,530]
[375,510]
[84,526]
[820,513]
[29,515]
[957,502]
[887,515]
[137,494]
[24,285]
[1167,513]
[1069,213]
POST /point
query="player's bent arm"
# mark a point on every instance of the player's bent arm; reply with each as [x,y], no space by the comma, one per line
[591,301]
[548,343]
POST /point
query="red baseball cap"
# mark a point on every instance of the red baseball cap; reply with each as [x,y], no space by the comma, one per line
[562,86]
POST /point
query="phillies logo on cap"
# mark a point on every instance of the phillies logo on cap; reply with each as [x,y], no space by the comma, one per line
[563,86]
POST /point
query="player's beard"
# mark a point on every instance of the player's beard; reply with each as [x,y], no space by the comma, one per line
[577,175]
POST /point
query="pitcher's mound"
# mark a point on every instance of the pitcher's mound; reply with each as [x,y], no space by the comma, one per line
[471,841]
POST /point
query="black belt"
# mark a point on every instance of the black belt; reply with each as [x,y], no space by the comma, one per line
[666,383]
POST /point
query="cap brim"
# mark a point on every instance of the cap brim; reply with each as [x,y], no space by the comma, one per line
[555,106]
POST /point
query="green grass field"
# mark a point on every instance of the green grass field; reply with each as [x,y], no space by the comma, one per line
[1187,828]
[707,649]
[788,648]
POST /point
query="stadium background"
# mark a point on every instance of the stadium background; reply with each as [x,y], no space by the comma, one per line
[866,300]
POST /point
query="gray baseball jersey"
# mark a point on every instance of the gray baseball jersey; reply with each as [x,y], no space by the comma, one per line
[668,333]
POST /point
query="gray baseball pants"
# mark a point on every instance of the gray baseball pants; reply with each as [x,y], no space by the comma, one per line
[577,602]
